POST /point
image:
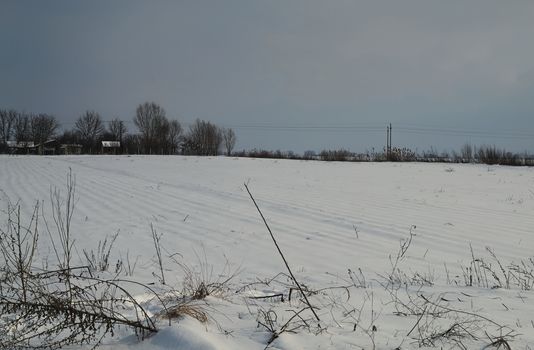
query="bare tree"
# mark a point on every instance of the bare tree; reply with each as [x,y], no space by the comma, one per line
[174,136]
[118,129]
[203,138]
[69,137]
[22,130]
[43,127]
[160,142]
[467,152]
[7,121]
[229,140]
[132,144]
[90,128]
[151,121]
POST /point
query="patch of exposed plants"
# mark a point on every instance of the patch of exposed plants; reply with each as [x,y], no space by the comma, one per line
[61,303]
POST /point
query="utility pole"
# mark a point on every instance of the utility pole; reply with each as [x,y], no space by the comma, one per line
[388,142]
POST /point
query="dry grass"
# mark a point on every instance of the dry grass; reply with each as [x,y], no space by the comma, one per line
[193,310]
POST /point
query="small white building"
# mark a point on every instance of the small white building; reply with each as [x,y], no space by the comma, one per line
[110,147]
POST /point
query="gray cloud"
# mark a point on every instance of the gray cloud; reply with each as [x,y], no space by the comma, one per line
[440,64]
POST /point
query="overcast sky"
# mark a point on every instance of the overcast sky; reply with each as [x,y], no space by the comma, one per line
[291,75]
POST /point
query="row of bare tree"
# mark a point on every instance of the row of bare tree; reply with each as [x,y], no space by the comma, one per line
[157,133]
[160,135]
[23,127]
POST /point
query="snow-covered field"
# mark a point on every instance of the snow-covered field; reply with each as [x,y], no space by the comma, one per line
[338,224]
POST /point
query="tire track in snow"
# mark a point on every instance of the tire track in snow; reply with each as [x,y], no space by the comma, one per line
[317,217]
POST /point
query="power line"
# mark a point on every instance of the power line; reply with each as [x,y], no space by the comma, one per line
[400,129]
[466,133]
[365,128]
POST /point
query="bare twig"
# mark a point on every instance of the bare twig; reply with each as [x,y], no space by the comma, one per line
[282,255]
[157,246]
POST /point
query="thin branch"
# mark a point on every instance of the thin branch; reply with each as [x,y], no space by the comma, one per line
[281,254]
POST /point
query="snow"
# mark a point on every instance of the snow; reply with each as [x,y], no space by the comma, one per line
[327,217]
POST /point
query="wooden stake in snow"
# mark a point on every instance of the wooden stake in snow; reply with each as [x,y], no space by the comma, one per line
[282,255]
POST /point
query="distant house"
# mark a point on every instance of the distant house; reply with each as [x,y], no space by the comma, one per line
[29,147]
[110,147]
[70,148]
[22,147]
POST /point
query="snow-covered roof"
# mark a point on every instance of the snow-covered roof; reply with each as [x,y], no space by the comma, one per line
[22,144]
[111,144]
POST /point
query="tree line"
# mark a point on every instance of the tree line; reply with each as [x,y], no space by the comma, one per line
[468,153]
[157,134]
